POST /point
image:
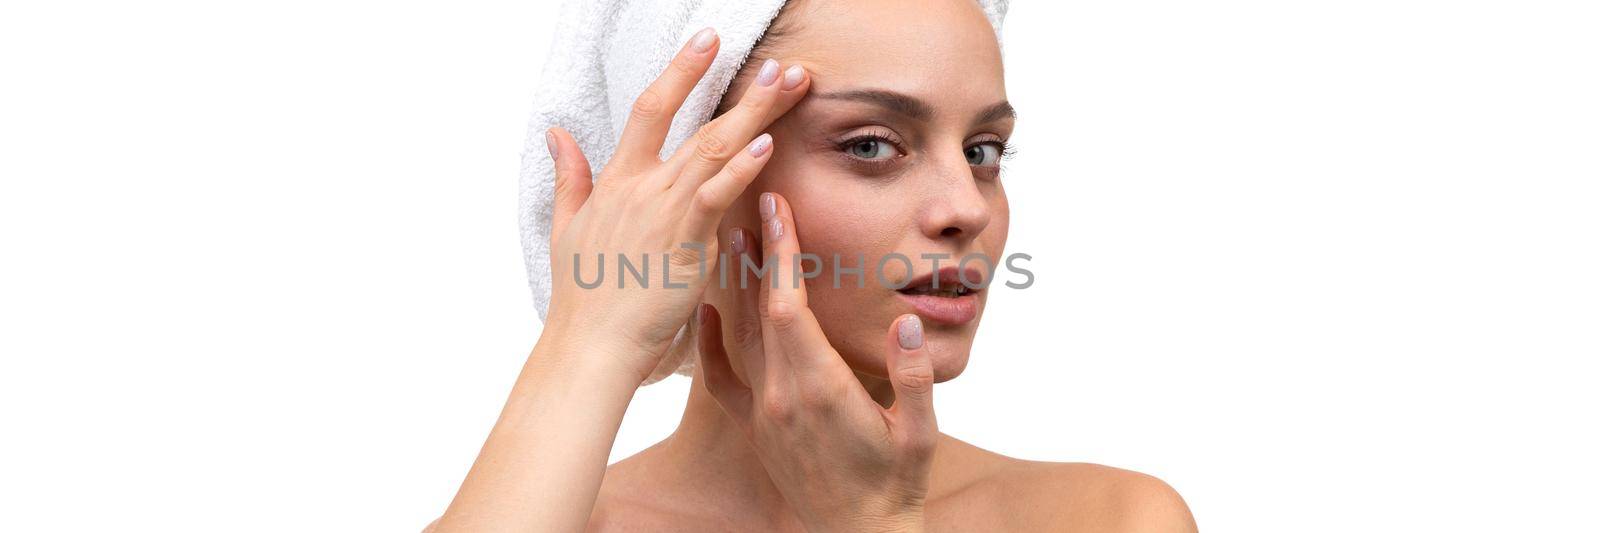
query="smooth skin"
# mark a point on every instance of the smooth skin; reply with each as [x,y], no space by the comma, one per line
[819,435]
[811,409]
[541,467]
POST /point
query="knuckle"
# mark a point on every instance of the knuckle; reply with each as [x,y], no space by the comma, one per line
[777,409]
[706,201]
[683,66]
[682,256]
[612,175]
[566,184]
[563,186]
[916,377]
[648,106]
[782,314]
[740,169]
[607,188]
[709,146]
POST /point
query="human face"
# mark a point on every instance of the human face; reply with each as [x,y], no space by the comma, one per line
[895,150]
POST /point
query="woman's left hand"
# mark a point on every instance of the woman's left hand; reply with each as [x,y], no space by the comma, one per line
[843,461]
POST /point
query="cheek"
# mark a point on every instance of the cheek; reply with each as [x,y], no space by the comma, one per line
[847,225]
[836,214]
[846,217]
[993,240]
[857,221]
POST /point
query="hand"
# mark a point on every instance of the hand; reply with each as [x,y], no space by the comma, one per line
[845,462]
[654,212]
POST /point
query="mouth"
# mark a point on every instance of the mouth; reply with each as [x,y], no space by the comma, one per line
[947,296]
[943,291]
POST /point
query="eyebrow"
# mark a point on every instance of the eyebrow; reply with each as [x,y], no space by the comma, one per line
[909,105]
[996,112]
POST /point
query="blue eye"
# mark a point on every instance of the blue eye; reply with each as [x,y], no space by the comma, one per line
[871,148]
[986,154]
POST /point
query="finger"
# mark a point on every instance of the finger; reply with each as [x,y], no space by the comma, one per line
[746,323]
[715,143]
[788,326]
[733,395]
[574,180]
[779,246]
[652,112]
[794,85]
[714,196]
[911,375]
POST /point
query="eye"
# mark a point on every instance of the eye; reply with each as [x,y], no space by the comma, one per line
[986,154]
[871,148]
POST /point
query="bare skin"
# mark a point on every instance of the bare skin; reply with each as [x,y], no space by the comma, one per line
[811,408]
[706,477]
[666,488]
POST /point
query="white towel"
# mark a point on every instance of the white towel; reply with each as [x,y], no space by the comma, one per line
[604,54]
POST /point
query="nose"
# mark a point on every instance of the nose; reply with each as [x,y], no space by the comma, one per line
[957,209]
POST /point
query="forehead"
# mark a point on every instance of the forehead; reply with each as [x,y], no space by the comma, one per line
[942,51]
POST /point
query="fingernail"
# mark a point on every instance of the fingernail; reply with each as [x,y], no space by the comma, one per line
[769,205]
[911,333]
[760,146]
[550,142]
[769,73]
[702,41]
[775,228]
[737,242]
[793,76]
[705,312]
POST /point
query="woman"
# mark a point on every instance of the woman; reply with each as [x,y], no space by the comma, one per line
[842,136]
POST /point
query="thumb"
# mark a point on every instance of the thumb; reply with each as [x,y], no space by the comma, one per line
[911,375]
[574,180]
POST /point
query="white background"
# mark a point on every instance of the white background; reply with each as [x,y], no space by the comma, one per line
[1322,266]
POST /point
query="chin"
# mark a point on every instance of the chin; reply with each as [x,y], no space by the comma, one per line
[856,323]
[948,348]
[949,355]
[949,351]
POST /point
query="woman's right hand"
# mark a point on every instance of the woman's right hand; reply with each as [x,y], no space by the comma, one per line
[654,211]
[843,462]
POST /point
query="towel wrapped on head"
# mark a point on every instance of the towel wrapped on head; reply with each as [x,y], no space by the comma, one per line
[604,54]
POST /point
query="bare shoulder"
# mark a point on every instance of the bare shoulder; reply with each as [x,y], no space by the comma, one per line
[1047,496]
[1091,497]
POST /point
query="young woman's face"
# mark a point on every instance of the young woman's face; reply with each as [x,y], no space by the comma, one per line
[894,152]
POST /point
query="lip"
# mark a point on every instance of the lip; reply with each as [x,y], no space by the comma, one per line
[951,275]
[953,311]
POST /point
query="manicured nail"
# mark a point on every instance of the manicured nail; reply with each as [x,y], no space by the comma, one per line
[911,333]
[793,77]
[761,145]
[769,205]
[550,142]
[775,229]
[702,41]
[769,73]
[738,242]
